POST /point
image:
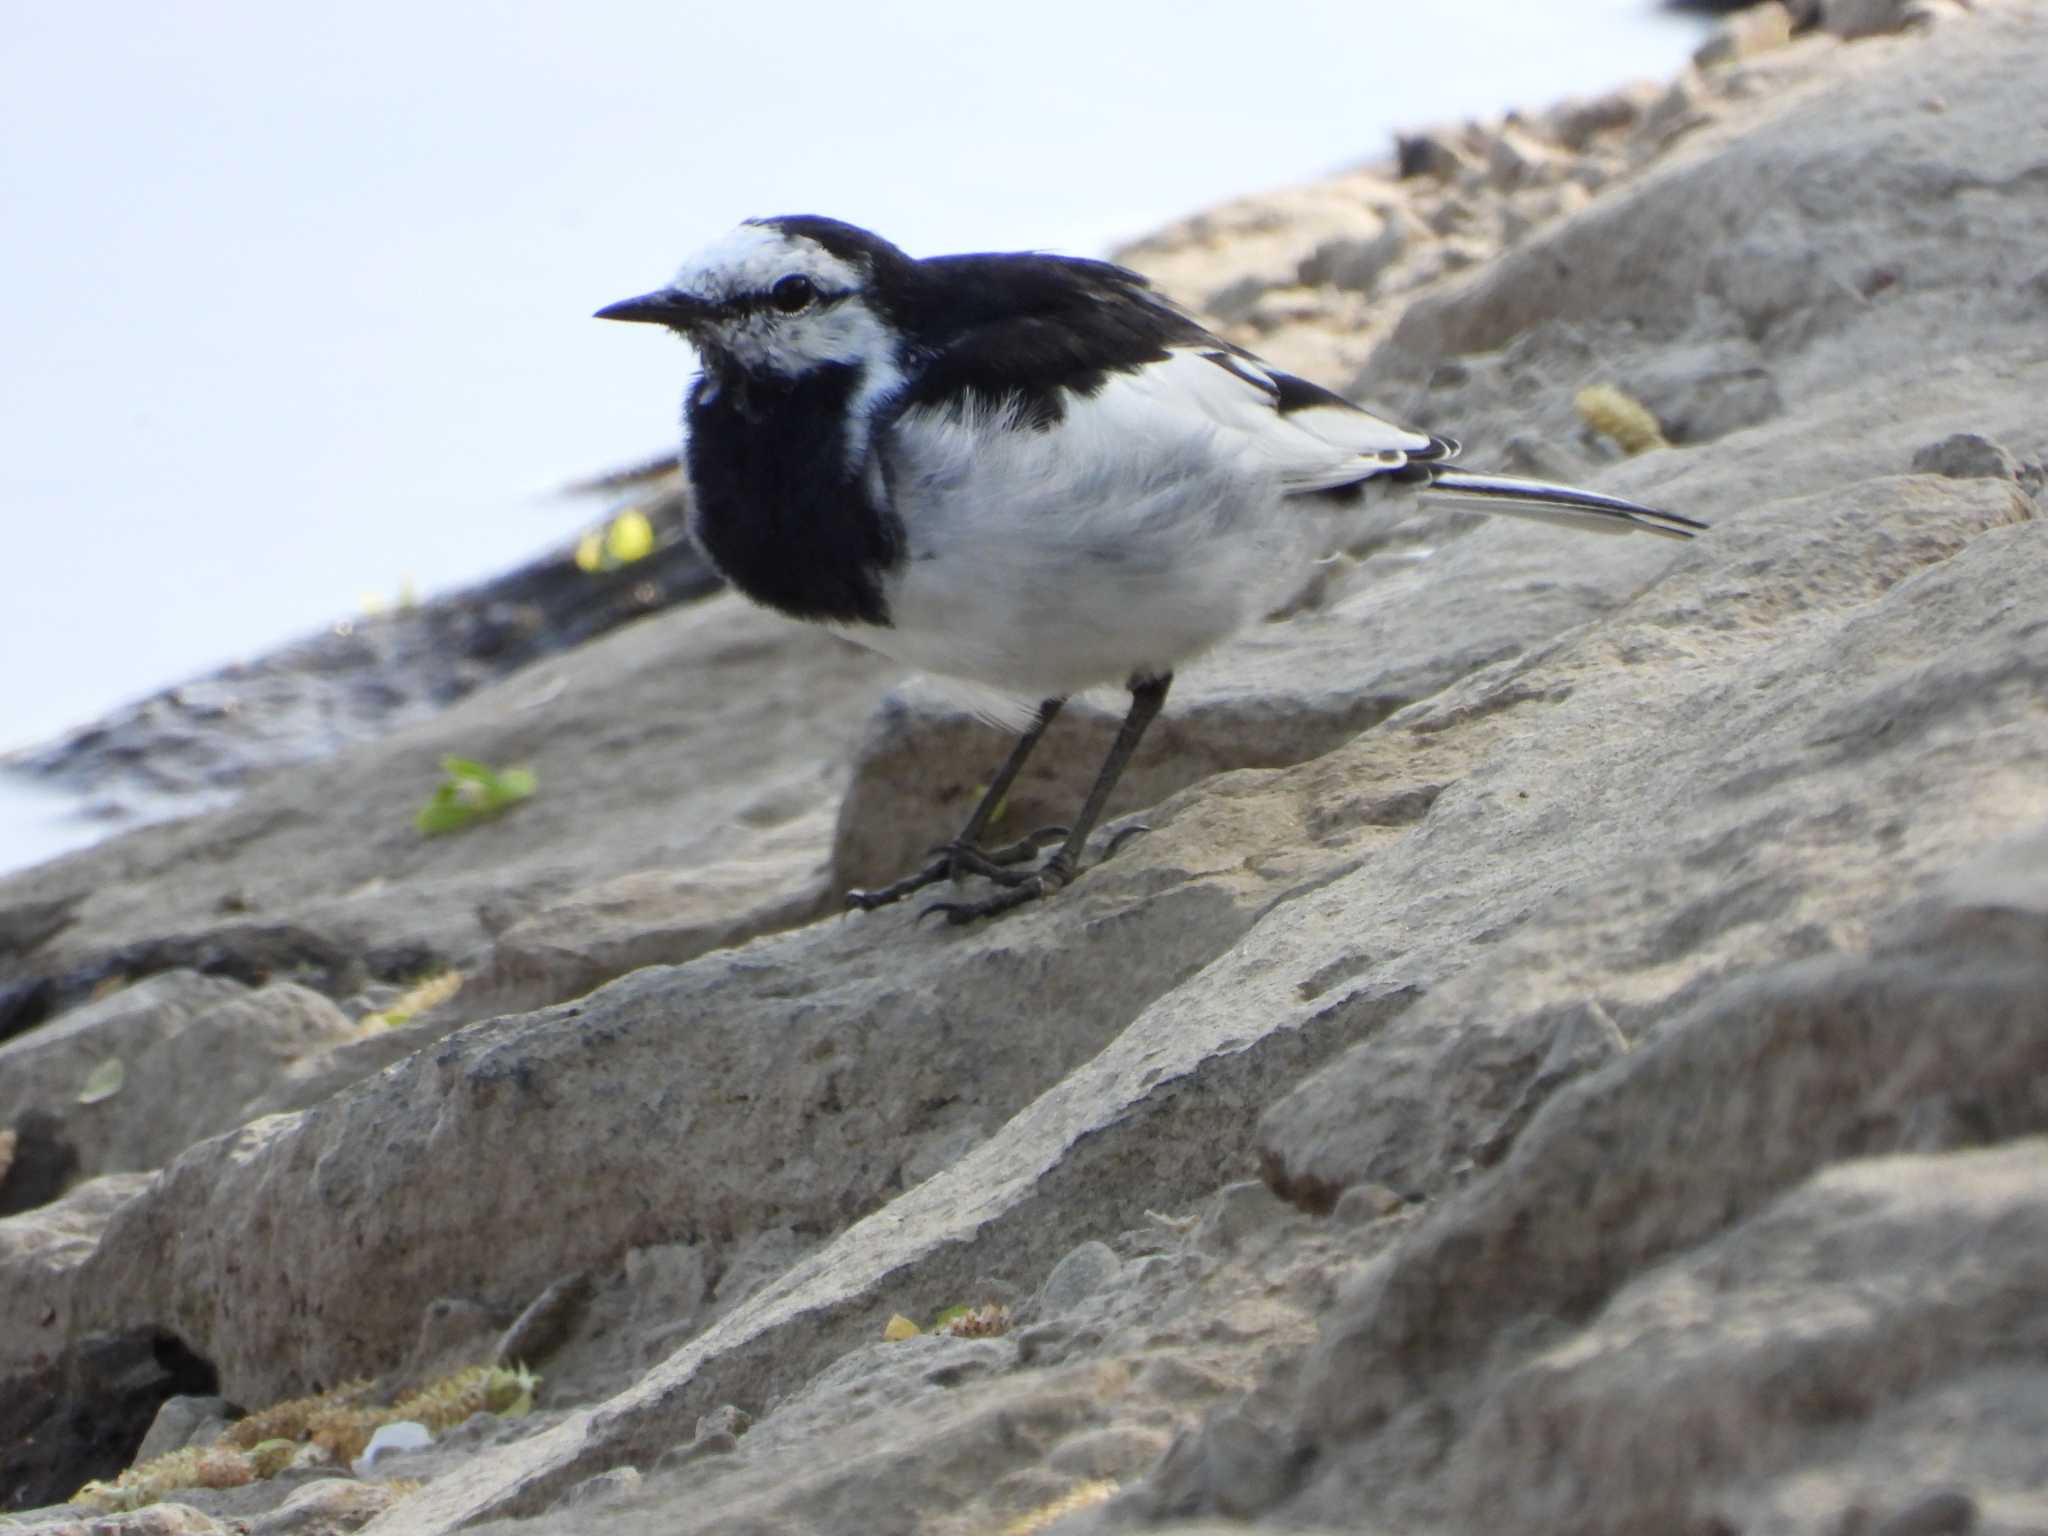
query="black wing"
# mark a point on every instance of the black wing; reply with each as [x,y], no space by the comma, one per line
[1023,333]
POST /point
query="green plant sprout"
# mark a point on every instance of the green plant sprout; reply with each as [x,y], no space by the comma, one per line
[470,793]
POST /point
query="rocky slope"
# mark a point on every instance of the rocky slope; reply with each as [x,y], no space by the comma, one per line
[1569,1054]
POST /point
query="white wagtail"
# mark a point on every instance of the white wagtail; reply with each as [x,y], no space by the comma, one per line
[1029,472]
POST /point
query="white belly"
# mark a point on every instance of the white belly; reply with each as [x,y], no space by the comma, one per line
[1124,541]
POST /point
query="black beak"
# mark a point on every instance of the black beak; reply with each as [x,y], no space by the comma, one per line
[662,307]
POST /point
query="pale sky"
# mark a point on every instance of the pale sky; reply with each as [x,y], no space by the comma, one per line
[297,299]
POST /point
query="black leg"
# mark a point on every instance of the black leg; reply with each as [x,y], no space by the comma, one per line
[964,854]
[1148,695]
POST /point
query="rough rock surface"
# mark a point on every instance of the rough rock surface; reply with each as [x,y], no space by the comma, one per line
[686,739]
[194,1053]
[1568,1055]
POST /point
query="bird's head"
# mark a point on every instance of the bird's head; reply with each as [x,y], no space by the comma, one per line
[782,296]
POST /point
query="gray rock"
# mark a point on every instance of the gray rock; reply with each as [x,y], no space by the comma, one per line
[1081,1274]
[40,1253]
[1437,152]
[669,1284]
[1363,1204]
[1183,1382]
[1929,1042]
[710,1440]
[1357,264]
[1944,1512]
[657,917]
[1683,107]
[813,1141]
[642,765]
[941,1150]
[1117,1452]
[1864,18]
[757,1259]
[1584,1039]
[1240,1215]
[601,1489]
[329,1506]
[1539,206]
[1644,260]
[40,1160]
[1234,1465]
[46,1069]
[1412,1104]
[80,1416]
[183,1421]
[1878,1283]
[169,1518]
[1753,30]
[1920,15]
[726,1419]
[1966,456]
[1704,392]
[1515,158]
[1577,123]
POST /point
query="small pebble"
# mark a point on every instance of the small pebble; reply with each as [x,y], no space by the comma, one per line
[391,1440]
[1945,1512]
[601,1488]
[1363,1204]
[1967,456]
[1239,1213]
[1087,1270]
[327,1505]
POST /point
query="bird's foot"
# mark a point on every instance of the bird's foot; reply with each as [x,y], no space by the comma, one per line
[1016,891]
[1021,886]
[999,864]
[950,861]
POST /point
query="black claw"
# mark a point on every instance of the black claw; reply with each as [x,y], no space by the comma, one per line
[868,901]
[1121,836]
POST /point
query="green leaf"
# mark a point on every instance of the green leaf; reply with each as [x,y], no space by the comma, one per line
[105,1081]
[470,793]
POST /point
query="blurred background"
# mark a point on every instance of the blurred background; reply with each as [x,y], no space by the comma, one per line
[297,301]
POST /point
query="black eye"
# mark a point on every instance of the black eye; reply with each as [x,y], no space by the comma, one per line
[793,293]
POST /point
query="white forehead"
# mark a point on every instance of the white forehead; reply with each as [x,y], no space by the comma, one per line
[753,257]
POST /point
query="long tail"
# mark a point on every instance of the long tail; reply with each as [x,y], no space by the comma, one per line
[1506,496]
